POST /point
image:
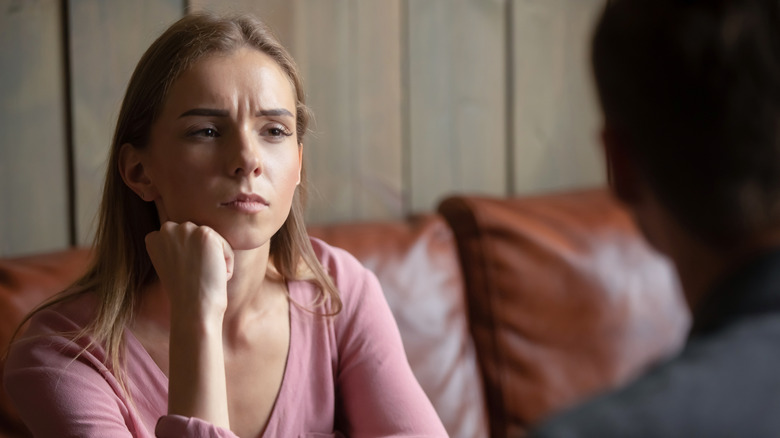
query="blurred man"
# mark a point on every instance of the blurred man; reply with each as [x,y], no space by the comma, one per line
[690,92]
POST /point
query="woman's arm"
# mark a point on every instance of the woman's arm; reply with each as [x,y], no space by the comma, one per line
[380,395]
[194,264]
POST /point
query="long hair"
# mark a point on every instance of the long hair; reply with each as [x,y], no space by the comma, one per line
[121,267]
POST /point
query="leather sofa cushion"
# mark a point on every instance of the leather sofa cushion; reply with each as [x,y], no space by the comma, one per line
[565,300]
[416,262]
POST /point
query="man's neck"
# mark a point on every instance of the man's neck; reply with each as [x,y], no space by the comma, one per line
[702,267]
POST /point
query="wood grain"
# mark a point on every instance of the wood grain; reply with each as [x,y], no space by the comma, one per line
[413,100]
[107,40]
[555,117]
[457,108]
[33,167]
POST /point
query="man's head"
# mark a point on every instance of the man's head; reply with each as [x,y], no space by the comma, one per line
[691,96]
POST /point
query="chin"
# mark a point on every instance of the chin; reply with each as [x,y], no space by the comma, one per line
[246,242]
[246,234]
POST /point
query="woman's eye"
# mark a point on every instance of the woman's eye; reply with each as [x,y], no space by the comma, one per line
[208,132]
[205,132]
[278,131]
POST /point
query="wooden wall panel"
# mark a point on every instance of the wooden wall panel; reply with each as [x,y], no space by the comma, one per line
[322,49]
[107,40]
[351,60]
[279,15]
[413,100]
[349,52]
[556,118]
[376,109]
[33,167]
[456,103]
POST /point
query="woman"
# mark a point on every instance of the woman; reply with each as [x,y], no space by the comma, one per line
[207,310]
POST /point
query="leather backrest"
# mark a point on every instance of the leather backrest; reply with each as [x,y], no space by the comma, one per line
[417,264]
[565,300]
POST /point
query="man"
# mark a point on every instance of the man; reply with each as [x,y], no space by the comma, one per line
[690,92]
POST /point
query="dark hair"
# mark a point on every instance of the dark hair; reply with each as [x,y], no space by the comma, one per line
[694,89]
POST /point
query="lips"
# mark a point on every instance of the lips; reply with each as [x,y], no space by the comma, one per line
[247,203]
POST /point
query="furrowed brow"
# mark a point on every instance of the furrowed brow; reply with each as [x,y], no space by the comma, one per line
[209,112]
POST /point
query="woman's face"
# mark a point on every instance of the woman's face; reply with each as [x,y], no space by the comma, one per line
[223,152]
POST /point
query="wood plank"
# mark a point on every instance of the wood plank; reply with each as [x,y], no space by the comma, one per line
[33,171]
[349,54]
[556,117]
[377,109]
[457,109]
[279,15]
[322,50]
[107,40]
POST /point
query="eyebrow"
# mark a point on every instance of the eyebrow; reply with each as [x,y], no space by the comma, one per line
[211,112]
[274,112]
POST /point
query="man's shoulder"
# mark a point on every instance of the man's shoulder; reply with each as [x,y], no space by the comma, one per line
[718,385]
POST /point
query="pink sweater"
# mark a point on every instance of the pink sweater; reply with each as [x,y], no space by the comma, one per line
[348,374]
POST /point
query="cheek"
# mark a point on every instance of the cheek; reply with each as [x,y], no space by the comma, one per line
[286,170]
[181,181]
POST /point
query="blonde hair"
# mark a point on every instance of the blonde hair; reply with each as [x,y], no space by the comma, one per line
[120,266]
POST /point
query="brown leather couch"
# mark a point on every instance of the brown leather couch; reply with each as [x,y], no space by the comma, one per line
[509,308]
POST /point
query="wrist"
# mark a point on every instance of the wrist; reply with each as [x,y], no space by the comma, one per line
[200,325]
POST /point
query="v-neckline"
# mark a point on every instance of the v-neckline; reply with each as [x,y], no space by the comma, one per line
[149,363]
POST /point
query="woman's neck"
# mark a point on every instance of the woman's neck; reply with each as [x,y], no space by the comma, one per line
[250,286]
[251,290]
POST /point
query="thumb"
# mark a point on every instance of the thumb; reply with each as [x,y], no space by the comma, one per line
[227,251]
[150,241]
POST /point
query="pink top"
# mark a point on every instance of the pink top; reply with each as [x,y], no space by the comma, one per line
[347,374]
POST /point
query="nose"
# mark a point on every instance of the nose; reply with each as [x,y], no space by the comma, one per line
[245,157]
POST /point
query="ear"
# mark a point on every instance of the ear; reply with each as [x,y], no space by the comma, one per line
[622,173]
[134,174]
[300,162]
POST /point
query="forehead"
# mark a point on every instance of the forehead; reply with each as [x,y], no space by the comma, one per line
[245,77]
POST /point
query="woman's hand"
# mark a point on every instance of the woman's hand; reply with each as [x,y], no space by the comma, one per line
[194,264]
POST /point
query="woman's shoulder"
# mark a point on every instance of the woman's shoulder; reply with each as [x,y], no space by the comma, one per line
[341,265]
[357,285]
[355,282]
[70,313]
[54,336]
[57,329]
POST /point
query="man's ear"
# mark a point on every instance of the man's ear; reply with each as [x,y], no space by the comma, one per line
[134,174]
[622,173]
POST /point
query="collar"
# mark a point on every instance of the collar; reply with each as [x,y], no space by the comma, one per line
[751,290]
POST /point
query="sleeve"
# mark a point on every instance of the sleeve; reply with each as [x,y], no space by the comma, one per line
[379,395]
[177,426]
[61,389]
